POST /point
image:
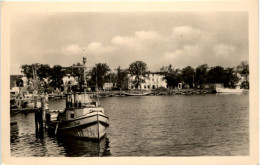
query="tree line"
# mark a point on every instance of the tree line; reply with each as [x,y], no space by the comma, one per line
[101,73]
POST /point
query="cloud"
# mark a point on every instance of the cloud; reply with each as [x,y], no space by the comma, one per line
[140,38]
[185,35]
[224,50]
[159,39]
[187,55]
[99,48]
[194,47]
[184,46]
[186,31]
[72,49]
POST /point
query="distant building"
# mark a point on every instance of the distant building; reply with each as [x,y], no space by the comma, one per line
[15,78]
[108,86]
[69,80]
[213,86]
[152,81]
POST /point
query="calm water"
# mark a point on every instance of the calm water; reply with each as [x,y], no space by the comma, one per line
[178,125]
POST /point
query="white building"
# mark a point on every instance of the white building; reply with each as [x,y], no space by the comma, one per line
[68,80]
[152,81]
[108,86]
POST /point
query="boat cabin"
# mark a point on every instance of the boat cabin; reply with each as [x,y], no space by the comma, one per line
[79,104]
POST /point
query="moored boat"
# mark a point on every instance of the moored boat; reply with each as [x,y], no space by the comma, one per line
[83,117]
[229,90]
[137,93]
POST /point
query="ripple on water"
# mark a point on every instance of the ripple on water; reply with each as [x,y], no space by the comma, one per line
[212,125]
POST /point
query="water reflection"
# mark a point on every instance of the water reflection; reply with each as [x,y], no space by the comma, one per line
[14,131]
[76,147]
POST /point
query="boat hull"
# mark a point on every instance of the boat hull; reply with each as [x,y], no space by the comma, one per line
[227,90]
[91,126]
[137,94]
[95,131]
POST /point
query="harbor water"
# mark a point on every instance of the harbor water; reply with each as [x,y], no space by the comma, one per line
[174,125]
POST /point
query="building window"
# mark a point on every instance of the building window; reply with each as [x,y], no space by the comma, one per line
[144,86]
[148,86]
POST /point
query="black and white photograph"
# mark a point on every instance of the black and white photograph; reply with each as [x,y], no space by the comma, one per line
[131,83]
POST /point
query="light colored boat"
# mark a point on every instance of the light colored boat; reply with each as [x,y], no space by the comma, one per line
[82,118]
[137,93]
[229,90]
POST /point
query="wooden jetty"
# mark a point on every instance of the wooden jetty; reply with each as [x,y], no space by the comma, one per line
[39,113]
[154,92]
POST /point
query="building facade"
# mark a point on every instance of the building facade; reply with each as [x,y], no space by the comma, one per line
[152,81]
[108,86]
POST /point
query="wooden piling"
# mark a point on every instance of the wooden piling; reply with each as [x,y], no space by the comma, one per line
[40,117]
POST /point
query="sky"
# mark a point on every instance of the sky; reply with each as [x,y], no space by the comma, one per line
[118,39]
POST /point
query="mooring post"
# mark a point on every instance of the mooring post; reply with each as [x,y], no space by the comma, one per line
[43,114]
[35,101]
[36,121]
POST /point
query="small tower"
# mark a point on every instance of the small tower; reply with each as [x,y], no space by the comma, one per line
[84,58]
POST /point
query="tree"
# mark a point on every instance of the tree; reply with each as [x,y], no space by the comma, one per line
[111,78]
[27,70]
[42,70]
[164,69]
[98,74]
[231,78]
[121,76]
[138,69]
[243,69]
[201,74]
[172,76]
[216,75]
[56,75]
[188,75]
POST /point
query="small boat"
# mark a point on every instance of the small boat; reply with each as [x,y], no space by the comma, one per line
[229,90]
[137,93]
[83,117]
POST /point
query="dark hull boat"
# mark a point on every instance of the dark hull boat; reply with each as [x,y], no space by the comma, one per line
[85,120]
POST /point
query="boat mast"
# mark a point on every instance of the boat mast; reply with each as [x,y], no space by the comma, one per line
[84,74]
[97,86]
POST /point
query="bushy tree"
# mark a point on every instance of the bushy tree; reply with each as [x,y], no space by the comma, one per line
[39,70]
[43,71]
[98,74]
[231,78]
[121,77]
[138,69]
[216,75]
[27,70]
[56,75]
[172,76]
[188,74]
[201,74]
[243,69]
